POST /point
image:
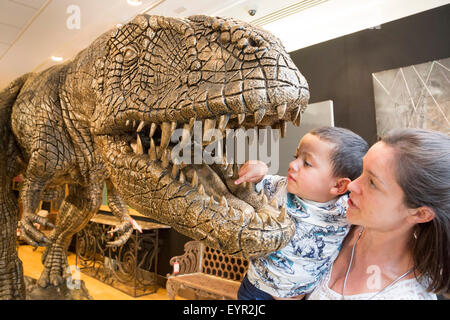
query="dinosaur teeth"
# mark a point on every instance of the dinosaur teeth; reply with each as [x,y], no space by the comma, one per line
[201,189]
[229,170]
[298,119]
[191,123]
[186,135]
[259,115]
[165,135]
[255,221]
[241,118]
[152,130]
[152,150]
[296,116]
[282,215]
[182,178]
[264,199]
[231,213]
[175,170]
[268,221]
[139,148]
[223,202]
[283,127]
[274,203]
[235,171]
[194,179]
[141,126]
[167,129]
[223,120]
[281,110]
[208,124]
[165,158]
[224,163]
[134,146]
[261,194]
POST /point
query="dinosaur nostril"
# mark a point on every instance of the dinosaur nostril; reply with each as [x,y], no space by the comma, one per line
[252,42]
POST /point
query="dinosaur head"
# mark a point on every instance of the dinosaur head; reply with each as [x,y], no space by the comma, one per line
[160,74]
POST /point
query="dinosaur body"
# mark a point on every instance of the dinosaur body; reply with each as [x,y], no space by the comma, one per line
[108,115]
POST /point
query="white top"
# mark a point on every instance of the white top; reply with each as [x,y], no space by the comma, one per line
[409,289]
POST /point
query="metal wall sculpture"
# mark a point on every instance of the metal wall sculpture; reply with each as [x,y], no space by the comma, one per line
[414,96]
[108,116]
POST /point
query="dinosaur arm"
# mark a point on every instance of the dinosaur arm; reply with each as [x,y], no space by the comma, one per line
[120,210]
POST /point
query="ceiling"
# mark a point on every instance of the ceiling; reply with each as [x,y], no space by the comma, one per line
[31,31]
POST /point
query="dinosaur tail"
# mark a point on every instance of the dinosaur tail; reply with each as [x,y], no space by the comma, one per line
[11,272]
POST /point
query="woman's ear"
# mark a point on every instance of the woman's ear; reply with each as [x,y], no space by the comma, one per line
[421,215]
[341,186]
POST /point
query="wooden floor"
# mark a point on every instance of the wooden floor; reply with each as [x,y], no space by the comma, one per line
[33,267]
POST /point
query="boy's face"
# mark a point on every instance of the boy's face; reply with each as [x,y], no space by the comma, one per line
[310,175]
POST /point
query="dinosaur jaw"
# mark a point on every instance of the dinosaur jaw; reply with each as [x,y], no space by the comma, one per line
[122,113]
[198,200]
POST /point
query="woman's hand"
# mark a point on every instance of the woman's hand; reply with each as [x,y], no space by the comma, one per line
[252,171]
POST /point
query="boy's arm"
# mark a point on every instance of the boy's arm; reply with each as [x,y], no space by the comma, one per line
[256,171]
[252,171]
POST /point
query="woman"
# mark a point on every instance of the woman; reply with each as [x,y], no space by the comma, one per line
[398,247]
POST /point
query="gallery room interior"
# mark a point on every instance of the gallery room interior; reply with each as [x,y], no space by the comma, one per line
[124,125]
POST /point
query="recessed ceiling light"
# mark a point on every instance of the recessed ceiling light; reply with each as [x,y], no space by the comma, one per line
[134,2]
[58,59]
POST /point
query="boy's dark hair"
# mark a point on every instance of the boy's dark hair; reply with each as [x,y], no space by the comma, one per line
[349,150]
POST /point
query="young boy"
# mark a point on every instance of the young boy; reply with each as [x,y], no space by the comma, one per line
[315,193]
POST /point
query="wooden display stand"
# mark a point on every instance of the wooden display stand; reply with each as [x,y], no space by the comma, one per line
[206,274]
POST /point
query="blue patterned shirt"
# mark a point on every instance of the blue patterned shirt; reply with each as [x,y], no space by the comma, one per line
[320,229]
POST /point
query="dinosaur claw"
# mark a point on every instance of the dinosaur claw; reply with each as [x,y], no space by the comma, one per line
[30,233]
[121,240]
[125,229]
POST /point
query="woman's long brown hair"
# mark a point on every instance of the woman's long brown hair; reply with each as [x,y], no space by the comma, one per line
[422,167]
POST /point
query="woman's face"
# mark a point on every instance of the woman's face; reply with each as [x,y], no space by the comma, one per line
[376,199]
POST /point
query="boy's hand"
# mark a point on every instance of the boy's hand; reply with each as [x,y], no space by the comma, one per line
[252,171]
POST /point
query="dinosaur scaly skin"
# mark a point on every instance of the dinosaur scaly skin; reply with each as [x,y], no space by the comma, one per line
[76,124]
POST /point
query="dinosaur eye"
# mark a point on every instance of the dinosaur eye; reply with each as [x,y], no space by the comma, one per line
[130,55]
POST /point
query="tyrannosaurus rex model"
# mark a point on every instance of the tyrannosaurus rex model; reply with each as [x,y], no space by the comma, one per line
[108,116]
